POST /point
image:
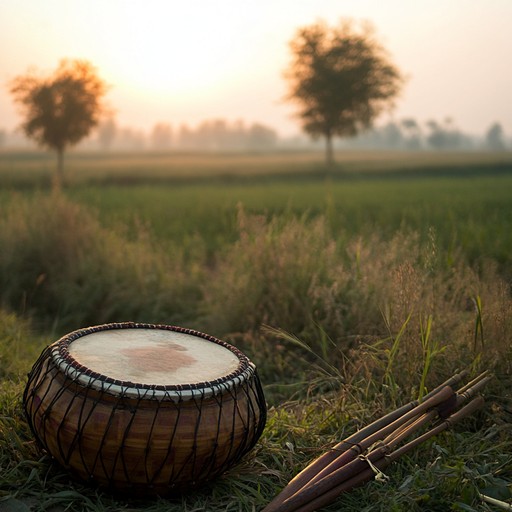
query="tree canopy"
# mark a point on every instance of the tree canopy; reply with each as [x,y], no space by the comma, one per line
[61,109]
[494,137]
[341,78]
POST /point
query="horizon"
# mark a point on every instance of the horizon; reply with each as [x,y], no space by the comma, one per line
[452,56]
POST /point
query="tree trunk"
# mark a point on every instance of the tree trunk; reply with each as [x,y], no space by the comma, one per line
[329,154]
[58,176]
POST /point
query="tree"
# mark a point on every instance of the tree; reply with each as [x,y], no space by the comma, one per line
[495,137]
[132,139]
[61,109]
[184,136]
[392,136]
[161,136]
[107,132]
[261,137]
[413,133]
[446,136]
[342,79]
[438,137]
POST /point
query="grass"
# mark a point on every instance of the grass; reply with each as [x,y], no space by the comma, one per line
[447,473]
[28,170]
[353,291]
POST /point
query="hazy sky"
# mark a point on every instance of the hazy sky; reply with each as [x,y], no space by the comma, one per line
[186,61]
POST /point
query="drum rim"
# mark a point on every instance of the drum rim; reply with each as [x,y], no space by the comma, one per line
[60,355]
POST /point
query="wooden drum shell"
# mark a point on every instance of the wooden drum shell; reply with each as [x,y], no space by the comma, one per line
[140,445]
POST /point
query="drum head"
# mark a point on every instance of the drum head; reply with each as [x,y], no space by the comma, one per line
[132,359]
[153,356]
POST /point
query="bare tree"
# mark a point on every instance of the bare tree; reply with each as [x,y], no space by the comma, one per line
[341,78]
[61,109]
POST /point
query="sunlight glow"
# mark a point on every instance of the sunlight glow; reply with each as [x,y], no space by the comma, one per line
[184,62]
[169,48]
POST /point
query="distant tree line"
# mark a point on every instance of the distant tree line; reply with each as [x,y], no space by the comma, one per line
[408,134]
[215,134]
[219,134]
[340,78]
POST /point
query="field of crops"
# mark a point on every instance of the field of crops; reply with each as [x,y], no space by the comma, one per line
[464,197]
[353,289]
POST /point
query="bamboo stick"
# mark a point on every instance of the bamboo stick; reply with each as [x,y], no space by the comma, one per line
[466,393]
[419,422]
[379,458]
[446,408]
[329,476]
[350,470]
[408,427]
[305,476]
[493,501]
[438,398]
[484,375]
[467,410]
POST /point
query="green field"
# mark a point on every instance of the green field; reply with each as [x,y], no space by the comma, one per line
[325,278]
[465,197]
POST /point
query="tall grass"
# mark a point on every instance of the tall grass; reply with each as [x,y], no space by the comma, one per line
[472,215]
[18,346]
[383,295]
[61,266]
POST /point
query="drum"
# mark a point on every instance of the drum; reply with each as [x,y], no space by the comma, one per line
[144,408]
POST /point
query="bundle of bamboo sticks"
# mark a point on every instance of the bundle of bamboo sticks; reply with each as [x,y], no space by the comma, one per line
[363,456]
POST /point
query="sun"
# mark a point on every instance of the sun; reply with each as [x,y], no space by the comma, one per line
[165,48]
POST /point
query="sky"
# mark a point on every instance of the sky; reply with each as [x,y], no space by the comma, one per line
[187,61]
